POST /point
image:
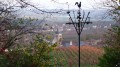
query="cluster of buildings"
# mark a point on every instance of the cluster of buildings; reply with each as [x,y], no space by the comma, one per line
[64,27]
[58,36]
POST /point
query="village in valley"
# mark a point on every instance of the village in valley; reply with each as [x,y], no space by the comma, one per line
[59,33]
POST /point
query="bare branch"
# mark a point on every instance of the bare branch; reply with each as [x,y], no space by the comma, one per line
[44,11]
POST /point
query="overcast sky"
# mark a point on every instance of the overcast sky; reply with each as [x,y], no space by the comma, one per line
[61,4]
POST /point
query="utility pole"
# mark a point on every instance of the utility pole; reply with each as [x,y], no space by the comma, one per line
[79,25]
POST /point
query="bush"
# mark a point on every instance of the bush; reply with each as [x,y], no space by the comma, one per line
[36,55]
[111,58]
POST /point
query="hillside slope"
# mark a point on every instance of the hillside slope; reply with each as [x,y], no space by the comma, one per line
[68,56]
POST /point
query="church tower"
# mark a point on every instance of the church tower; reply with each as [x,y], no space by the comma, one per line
[57,38]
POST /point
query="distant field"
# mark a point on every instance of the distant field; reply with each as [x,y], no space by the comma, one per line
[68,56]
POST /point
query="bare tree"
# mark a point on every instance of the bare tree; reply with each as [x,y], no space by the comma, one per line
[12,27]
[113,8]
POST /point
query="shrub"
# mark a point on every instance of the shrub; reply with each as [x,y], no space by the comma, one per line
[36,55]
[111,58]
